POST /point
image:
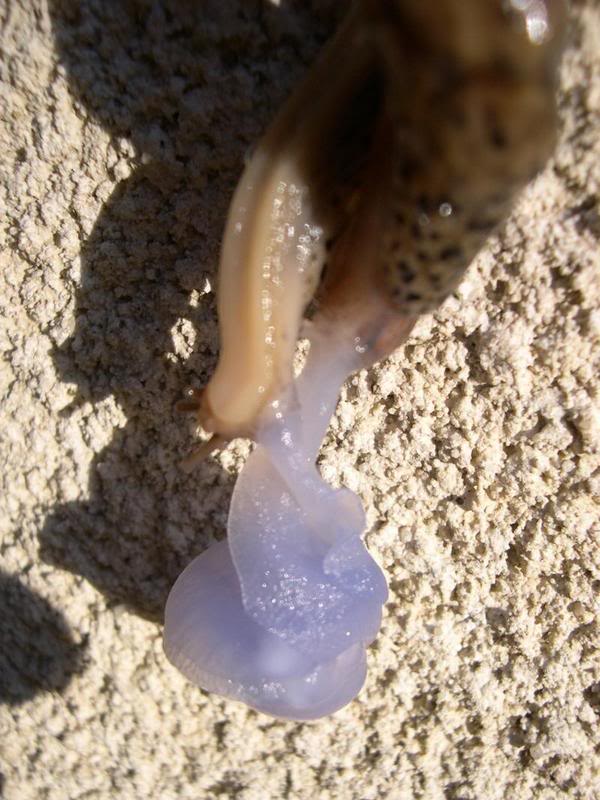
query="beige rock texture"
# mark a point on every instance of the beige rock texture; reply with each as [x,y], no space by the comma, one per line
[475,449]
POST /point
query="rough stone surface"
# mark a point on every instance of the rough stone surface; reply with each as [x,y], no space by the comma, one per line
[476,449]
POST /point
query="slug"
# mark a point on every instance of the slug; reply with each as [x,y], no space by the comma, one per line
[368,197]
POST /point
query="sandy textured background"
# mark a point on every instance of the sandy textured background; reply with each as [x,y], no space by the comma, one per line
[476,450]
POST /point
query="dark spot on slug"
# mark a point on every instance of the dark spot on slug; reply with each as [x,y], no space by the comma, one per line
[448,253]
[498,138]
[412,296]
[407,273]
[424,202]
[416,231]
[481,225]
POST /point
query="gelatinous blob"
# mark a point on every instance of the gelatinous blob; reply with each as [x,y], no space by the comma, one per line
[217,646]
[280,614]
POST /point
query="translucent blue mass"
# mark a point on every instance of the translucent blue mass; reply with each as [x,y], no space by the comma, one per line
[280,614]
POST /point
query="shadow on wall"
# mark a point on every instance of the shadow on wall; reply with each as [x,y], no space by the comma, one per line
[190,85]
[37,652]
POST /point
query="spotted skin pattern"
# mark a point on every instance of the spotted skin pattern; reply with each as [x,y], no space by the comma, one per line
[377,184]
[468,87]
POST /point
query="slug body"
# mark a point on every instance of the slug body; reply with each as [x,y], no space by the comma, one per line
[371,193]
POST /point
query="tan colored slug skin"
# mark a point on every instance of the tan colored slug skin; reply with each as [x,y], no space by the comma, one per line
[402,149]
[264,283]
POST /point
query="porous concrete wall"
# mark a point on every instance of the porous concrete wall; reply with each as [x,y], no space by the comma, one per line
[475,449]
